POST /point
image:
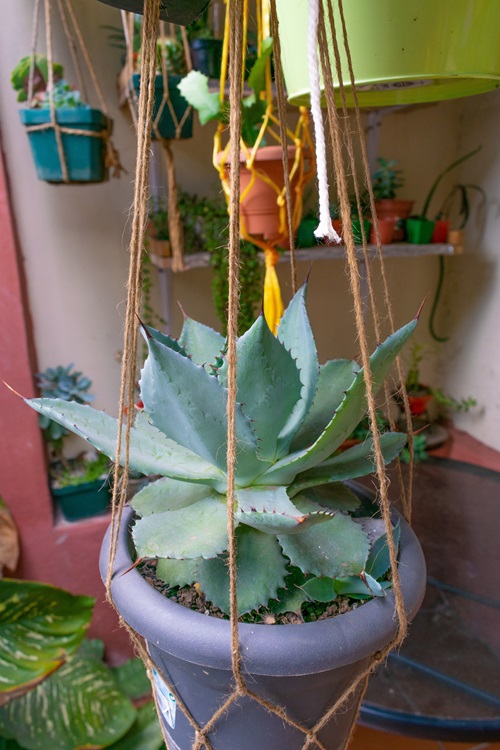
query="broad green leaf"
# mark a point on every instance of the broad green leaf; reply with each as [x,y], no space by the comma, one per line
[200,530]
[194,89]
[336,548]
[165,339]
[335,377]
[202,343]
[261,570]
[151,452]
[78,706]
[40,626]
[133,679]
[320,589]
[289,600]
[354,462]
[347,416]
[269,509]
[177,572]
[257,75]
[10,744]
[379,562]
[334,496]
[145,732]
[296,335]
[268,384]
[168,494]
[189,406]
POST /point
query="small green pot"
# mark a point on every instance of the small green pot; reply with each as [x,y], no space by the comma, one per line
[83,500]
[166,124]
[356,230]
[206,56]
[419,230]
[305,233]
[85,154]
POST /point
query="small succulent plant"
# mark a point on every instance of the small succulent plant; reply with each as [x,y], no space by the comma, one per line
[292,507]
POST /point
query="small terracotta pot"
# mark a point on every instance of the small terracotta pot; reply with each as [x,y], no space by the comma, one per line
[440,233]
[337,225]
[398,210]
[161,248]
[419,404]
[386,229]
[455,237]
[259,210]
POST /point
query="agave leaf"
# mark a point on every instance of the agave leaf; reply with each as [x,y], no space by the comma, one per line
[335,548]
[296,335]
[177,572]
[379,562]
[320,589]
[41,625]
[354,462]
[268,384]
[200,530]
[78,706]
[269,509]
[151,452]
[145,732]
[194,89]
[165,339]
[335,377]
[334,496]
[168,494]
[202,343]
[289,600]
[356,588]
[189,406]
[347,416]
[261,571]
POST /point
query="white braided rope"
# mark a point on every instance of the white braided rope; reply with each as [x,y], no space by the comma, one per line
[325,227]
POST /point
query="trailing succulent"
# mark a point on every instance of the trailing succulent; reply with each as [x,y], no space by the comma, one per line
[293,511]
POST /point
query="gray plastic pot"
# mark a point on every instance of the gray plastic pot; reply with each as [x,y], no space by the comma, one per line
[303,668]
[182,12]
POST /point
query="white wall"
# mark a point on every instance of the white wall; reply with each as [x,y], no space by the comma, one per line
[74,239]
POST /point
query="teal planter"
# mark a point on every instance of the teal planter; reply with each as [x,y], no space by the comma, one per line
[85,154]
[166,124]
[419,231]
[356,231]
[83,500]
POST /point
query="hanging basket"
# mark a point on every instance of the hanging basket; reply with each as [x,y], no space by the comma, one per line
[85,155]
[182,12]
[172,116]
[303,668]
[402,53]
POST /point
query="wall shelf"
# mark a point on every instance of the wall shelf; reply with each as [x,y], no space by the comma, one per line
[326,252]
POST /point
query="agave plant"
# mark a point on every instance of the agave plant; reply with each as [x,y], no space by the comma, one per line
[292,508]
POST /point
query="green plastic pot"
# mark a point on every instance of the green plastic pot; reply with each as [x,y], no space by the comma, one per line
[83,500]
[166,124]
[305,233]
[402,52]
[85,154]
[419,231]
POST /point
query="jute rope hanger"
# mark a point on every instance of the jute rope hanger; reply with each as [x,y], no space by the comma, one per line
[202,739]
[71,30]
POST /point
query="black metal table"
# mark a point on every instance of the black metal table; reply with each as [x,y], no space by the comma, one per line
[444,684]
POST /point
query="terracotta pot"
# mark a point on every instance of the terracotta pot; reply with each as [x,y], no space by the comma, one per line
[386,229]
[259,210]
[419,404]
[456,237]
[440,233]
[399,210]
[161,248]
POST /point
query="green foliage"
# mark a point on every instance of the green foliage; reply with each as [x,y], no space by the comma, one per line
[80,471]
[440,176]
[281,512]
[20,76]
[386,180]
[195,89]
[63,95]
[55,690]
[464,193]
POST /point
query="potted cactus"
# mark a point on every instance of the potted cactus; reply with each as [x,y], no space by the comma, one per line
[391,211]
[304,536]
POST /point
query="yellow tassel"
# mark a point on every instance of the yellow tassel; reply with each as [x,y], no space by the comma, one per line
[273,304]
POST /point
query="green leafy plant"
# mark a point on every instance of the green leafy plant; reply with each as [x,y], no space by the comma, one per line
[464,194]
[292,509]
[20,76]
[195,89]
[443,174]
[55,690]
[387,180]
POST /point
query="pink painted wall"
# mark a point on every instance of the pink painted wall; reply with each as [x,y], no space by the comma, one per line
[64,554]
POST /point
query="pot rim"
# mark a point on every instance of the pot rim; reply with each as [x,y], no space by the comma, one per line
[264,153]
[277,650]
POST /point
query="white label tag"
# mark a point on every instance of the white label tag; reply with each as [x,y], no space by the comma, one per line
[166,701]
